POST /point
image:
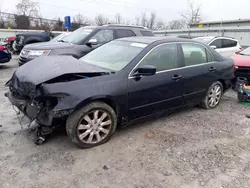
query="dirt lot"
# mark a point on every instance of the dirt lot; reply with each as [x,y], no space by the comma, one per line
[189,149]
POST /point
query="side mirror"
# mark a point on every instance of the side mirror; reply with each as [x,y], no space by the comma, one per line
[214,47]
[145,70]
[92,42]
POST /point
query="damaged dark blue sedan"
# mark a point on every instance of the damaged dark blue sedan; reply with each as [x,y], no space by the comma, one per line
[118,83]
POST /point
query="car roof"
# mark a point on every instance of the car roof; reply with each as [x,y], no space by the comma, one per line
[116,26]
[213,37]
[152,39]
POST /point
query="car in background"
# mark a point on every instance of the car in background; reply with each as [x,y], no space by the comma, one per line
[9,43]
[226,46]
[242,64]
[82,41]
[59,37]
[118,83]
[5,55]
[25,38]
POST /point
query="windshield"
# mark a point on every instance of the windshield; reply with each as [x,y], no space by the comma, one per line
[114,55]
[78,35]
[246,51]
[59,37]
[205,40]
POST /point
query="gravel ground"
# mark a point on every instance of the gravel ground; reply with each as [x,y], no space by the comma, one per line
[189,149]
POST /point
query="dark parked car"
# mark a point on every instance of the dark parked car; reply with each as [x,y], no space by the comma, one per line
[82,41]
[5,55]
[119,83]
[25,38]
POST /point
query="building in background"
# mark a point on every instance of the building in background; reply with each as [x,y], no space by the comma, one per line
[223,24]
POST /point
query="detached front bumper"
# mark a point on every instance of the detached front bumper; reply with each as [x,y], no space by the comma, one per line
[42,115]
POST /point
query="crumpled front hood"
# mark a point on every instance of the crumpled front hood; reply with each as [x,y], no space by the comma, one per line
[48,46]
[45,68]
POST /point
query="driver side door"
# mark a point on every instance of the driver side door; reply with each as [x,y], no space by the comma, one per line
[152,94]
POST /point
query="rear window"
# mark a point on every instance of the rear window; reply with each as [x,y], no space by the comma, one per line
[121,33]
[226,43]
[147,33]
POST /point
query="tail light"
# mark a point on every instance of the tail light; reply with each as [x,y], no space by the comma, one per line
[3,48]
[235,67]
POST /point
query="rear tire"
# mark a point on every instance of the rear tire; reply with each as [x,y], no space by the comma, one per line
[213,96]
[91,125]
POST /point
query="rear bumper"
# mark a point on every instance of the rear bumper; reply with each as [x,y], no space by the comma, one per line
[6,58]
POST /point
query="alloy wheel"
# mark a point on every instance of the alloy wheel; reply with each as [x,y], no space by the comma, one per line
[214,95]
[94,127]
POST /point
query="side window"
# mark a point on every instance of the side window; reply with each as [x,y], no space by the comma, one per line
[124,33]
[146,33]
[227,43]
[194,54]
[217,43]
[210,58]
[103,36]
[163,57]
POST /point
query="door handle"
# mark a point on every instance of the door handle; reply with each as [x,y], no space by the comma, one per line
[212,69]
[176,77]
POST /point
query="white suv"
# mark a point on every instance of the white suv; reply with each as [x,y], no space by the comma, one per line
[226,46]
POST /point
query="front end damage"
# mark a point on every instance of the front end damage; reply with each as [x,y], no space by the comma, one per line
[33,89]
[42,106]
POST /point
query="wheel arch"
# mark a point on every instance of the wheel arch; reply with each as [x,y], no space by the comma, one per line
[223,84]
[104,98]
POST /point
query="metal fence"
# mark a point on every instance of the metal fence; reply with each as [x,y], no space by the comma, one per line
[242,34]
[4,33]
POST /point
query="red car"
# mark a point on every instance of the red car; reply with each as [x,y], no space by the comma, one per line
[242,63]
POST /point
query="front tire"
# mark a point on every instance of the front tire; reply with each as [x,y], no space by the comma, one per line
[91,125]
[213,96]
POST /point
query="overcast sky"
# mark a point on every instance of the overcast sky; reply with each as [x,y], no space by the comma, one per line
[166,10]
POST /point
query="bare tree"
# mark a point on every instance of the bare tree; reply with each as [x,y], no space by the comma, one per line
[118,19]
[193,14]
[151,21]
[81,20]
[144,19]
[101,20]
[28,8]
[176,24]
[160,25]
[137,21]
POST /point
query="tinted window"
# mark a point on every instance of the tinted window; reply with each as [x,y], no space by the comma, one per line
[217,43]
[124,33]
[194,54]
[147,33]
[163,57]
[103,36]
[227,43]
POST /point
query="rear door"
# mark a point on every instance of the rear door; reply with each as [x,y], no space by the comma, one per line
[162,91]
[199,71]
